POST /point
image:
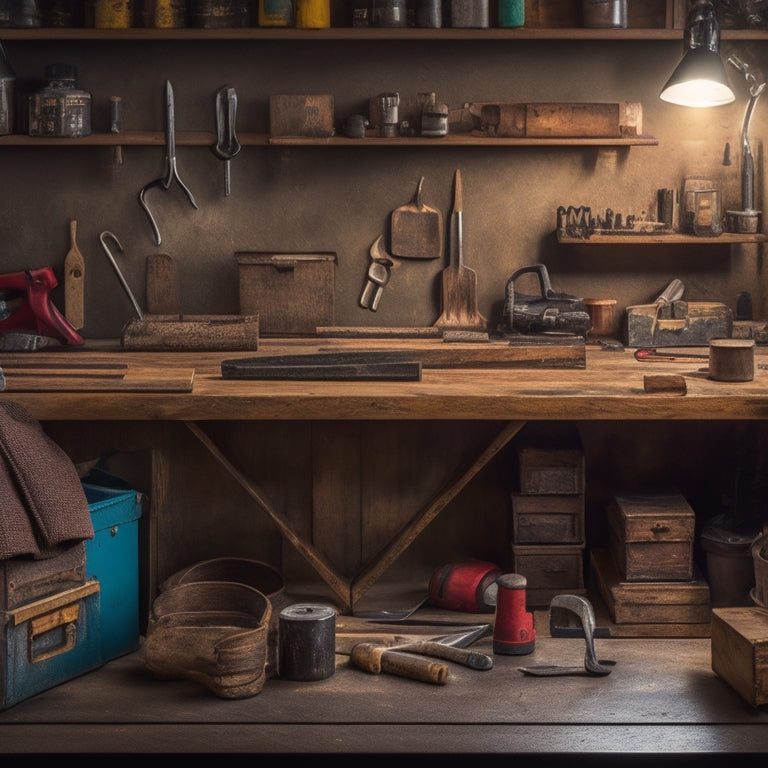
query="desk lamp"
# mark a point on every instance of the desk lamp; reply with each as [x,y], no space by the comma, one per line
[700,79]
[747,219]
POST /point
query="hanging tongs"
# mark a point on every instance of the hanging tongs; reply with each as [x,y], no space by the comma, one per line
[171,170]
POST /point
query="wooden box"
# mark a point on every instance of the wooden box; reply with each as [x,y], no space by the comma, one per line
[740,650]
[549,570]
[292,293]
[655,602]
[550,470]
[651,536]
[300,115]
[547,519]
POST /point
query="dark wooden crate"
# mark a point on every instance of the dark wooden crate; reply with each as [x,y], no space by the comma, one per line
[549,570]
[550,470]
[654,602]
[740,650]
[651,536]
[547,519]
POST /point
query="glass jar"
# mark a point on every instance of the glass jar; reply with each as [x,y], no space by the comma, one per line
[60,108]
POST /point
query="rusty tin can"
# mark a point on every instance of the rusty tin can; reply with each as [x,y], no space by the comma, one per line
[60,109]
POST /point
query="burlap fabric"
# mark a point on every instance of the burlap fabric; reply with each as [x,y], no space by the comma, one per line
[43,508]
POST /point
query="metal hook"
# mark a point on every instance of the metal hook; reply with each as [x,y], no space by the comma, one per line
[102,237]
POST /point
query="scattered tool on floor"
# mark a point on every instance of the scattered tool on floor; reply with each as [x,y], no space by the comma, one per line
[459,294]
[592,665]
[227,144]
[171,169]
[74,281]
[103,238]
[651,354]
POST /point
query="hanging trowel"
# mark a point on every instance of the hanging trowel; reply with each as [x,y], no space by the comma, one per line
[74,281]
[416,230]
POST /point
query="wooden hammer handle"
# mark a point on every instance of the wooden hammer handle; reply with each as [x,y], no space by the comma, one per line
[376,659]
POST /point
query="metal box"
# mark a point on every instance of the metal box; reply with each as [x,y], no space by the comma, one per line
[49,641]
[112,558]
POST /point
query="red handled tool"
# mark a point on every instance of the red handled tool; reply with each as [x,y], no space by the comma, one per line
[469,587]
[513,632]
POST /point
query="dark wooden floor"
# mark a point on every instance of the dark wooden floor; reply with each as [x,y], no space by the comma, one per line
[661,699]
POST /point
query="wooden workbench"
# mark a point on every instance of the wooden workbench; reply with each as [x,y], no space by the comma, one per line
[662,697]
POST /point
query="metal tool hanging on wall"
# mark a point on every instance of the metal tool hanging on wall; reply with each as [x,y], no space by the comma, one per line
[227,144]
[171,169]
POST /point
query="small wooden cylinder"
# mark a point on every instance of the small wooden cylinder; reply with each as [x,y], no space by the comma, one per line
[307,642]
[602,313]
[732,359]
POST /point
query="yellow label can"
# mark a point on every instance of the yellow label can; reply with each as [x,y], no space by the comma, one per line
[313,14]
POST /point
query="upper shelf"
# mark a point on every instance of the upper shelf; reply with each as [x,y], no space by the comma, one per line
[727,238]
[365,33]
[208,139]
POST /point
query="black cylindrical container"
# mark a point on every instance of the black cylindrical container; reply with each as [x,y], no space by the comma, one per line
[7,95]
[390,13]
[307,642]
[429,13]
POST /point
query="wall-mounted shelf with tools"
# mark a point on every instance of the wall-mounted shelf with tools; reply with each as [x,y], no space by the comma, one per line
[208,139]
[368,33]
[727,238]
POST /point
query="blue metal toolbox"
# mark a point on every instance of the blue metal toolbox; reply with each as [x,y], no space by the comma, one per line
[112,558]
[48,641]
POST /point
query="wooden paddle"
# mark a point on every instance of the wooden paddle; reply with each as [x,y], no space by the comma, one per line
[459,282]
[162,285]
[74,282]
[416,230]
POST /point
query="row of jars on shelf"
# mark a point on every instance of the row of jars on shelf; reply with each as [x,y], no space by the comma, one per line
[123,14]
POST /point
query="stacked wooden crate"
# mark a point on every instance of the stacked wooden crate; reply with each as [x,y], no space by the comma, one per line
[648,578]
[548,518]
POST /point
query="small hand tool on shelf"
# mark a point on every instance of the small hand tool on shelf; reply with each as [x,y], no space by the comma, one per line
[171,169]
[74,281]
[227,144]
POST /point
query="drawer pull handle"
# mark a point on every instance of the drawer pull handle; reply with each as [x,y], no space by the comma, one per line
[659,528]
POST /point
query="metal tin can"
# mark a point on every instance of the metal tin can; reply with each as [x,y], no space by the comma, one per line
[390,13]
[429,14]
[313,14]
[218,14]
[60,109]
[7,94]
[275,13]
[163,14]
[604,14]
[112,14]
[472,14]
[511,13]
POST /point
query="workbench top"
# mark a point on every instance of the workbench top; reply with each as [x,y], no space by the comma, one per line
[609,386]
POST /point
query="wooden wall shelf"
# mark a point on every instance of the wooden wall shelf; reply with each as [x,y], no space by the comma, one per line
[727,238]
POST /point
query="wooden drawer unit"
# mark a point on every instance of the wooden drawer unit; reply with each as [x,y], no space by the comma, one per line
[547,519]
[549,571]
[550,470]
[651,536]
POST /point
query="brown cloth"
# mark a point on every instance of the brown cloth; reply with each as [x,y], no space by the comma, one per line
[43,507]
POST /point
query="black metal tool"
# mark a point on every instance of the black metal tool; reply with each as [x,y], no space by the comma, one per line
[227,144]
[171,169]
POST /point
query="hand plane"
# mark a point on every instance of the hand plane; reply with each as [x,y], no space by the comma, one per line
[549,312]
[26,306]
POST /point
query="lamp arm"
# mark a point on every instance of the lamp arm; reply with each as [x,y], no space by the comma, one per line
[747,159]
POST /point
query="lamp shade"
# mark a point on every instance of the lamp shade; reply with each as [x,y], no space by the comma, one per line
[699,81]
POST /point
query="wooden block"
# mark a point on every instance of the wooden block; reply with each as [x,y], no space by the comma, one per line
[657,602]
[651,536]
[197,333]
[293,293]
[547,519]
[299,115]
[550,470]
[740,651]
[665,384]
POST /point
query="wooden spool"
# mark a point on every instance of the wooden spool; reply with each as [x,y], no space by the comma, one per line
[307,642]
[732,359]
[602,313]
